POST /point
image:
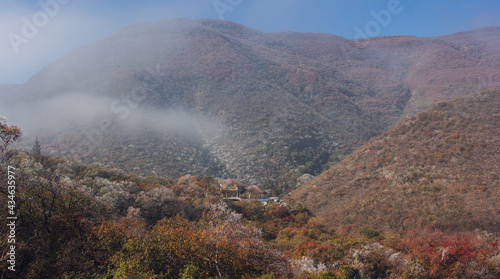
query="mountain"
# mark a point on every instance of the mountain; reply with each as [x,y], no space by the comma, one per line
[437,169]
[211,97]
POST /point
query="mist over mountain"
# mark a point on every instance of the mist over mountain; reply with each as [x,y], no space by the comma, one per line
[211,97]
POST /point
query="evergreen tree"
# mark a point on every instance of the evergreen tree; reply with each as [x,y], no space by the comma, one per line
[36,147]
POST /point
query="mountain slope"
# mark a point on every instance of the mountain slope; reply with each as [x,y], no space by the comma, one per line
[267,107]
[439,168]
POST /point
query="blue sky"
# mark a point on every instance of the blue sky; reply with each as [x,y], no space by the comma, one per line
[75,23]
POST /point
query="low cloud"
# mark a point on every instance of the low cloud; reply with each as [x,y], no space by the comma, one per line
[81,111]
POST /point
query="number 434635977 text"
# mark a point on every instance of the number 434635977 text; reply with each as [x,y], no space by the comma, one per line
[11,217]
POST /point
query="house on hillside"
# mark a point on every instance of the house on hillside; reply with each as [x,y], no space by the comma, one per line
[229,187]
[254,192]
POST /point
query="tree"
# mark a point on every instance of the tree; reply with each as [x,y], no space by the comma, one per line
[36,150]
[8,134]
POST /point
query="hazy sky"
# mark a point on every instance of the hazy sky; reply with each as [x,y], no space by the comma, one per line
[34,33]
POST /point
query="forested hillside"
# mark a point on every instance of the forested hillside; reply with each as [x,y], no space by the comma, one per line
[211,97]
[79,221]
[438,169]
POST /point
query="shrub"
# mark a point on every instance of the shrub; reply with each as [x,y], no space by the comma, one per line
[348,272]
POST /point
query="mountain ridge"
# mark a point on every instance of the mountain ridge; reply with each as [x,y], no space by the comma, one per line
[285,104]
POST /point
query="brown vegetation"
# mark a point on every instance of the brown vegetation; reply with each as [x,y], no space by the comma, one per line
[78,221]
[438,169]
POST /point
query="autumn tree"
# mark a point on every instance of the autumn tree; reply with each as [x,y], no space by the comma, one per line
[8,134]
